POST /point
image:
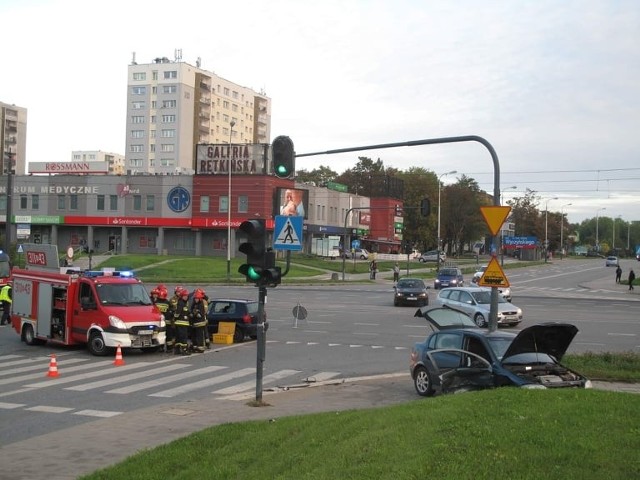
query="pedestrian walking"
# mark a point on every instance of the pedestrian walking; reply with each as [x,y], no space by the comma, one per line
[396,273]
[618,274]
[632,277]
[373,269]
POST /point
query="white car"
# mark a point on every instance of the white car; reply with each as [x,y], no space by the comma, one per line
[476,302]
[611,261]
[432,256]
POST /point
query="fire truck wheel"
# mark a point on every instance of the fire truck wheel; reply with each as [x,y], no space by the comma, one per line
[96,345]
[28,335]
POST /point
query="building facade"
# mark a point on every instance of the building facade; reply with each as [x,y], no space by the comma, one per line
[13,138]
[173,106]
[114,161]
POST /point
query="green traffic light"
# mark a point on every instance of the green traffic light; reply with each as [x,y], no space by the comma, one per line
[282,170]
[253,273]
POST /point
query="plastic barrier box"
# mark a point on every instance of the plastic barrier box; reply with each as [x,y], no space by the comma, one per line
[225,333]
[223,338]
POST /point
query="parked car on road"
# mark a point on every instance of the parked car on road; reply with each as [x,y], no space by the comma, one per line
[432,256]
[611,261]
[243,312]
[410,291]
[448,277]
[476,302]
[459,356]
[360,253]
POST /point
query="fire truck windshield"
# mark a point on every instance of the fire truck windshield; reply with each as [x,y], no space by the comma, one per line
[123,294]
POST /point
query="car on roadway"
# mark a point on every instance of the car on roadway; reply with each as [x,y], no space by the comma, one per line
[459,356]
[360,253]
[410,291]
[504,291]
[432,256]
[448,277]
[476,302]
[611,261]
[243,312]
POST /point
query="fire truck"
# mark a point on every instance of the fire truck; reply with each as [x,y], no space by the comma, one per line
[102,309]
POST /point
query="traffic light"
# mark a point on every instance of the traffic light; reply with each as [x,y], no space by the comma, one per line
[406,247]
[425,207]
[283,156]
[254,249]
[271,275]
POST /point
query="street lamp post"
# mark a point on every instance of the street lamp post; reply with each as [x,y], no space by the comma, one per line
[562,228]
[513,187]
[546,231]
[613,240]
[452,172]
[597,238]
[232,124]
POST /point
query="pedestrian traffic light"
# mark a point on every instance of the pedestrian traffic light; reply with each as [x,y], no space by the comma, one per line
[283,157]
[254,249]
[425,207]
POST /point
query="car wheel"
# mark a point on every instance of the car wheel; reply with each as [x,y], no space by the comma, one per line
[238,335]
[422,382]
[421,260]
[96,345]
[479,320]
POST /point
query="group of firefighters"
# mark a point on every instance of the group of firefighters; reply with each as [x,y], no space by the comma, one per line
[186,317]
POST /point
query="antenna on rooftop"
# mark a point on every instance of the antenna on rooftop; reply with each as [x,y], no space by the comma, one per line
[133,58]
[178,54]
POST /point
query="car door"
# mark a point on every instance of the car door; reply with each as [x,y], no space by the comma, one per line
[476,369]
[466,303]
[447,358]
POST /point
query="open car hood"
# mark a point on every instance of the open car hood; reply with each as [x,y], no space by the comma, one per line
[550,338]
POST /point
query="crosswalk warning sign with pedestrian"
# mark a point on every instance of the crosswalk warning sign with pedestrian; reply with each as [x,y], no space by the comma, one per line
[287,233]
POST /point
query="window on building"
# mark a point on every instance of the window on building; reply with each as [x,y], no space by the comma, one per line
[152,133]
[168,147]
[166,162]
[153,119]
[137,203]
[137,133]
[137,119]
[100,203]
[139,90]
[243,204]
[224,204]
[170,74]
[169,89]
[168,133]
[151,203]
[23,202]
[152,148]
[61,202]
[226,91]
[168,118]
[35,201]
[154,90]
[136,148]
[204,204]
[154,75]
[169,103]
[140,75]
[73,202]
[234,94]
[154,104]
[225,104]
[113,202]
[138,105]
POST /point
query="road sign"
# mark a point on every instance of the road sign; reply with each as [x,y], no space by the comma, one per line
[287,233]
[493,275]
[495,217]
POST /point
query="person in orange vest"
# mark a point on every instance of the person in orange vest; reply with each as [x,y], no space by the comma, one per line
[182,322]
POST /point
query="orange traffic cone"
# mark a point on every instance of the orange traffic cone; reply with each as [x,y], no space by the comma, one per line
[53,367]
[119,360]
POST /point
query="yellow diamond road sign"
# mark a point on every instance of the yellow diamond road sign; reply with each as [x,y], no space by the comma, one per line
[495,217]
[493,276]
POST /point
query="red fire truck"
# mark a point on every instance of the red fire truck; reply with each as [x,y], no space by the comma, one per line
[102,309]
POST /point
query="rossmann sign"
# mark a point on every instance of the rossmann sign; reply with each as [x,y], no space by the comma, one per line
[218,159]
[68,167]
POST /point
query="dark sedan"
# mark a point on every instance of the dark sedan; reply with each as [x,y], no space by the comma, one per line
[460,356]
[411,291]
[243,312]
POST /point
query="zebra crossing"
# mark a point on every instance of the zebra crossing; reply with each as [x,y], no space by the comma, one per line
[162,378]
[571,292]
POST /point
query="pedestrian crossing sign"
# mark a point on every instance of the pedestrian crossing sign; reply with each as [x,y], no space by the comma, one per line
[287,233]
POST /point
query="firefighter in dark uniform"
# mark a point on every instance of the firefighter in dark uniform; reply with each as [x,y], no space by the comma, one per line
[170,319]
[182,322]
[163,305]
[199,321]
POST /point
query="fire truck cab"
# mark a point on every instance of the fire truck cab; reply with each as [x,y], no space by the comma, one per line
[102,309]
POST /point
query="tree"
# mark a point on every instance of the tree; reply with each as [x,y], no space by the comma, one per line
[419,183]
[525,215]
[319,176]
[461,220]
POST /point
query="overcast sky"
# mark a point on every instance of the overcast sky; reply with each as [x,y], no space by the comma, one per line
[553,86]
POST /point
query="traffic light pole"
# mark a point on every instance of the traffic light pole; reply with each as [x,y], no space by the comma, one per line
[261,342]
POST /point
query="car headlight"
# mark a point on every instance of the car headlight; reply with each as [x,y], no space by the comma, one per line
[437,281]
[116,322]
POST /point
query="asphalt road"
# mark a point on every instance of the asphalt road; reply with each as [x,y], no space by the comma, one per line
[350,332]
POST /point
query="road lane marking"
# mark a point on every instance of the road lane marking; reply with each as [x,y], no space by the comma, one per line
[125,378]
[162,381]
[241,387]
[172,392]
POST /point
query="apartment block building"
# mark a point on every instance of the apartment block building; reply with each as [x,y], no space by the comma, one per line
[13,138]
[172,106]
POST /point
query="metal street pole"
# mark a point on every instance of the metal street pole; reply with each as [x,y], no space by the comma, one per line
[452,172]
[232,123]
[8,167]
[502,229]
[546,236]
[597,238]
[562,228]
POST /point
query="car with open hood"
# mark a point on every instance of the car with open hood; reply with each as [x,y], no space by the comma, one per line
[458,355]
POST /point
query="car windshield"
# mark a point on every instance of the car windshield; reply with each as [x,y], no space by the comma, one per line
[410,284]
[252,308]
[448,272]
[484,297]
[499,345]
[123,294]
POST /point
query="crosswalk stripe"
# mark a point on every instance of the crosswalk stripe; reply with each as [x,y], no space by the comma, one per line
[49,409]
[83,376]
[248,385]
[97,413]
[172,392]
[126,378]
[38,364]
[161,382]
[11,406]
[321,376]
